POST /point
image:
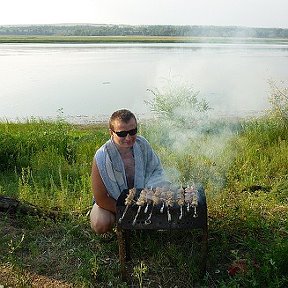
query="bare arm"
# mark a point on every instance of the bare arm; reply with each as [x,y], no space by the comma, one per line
[100,193]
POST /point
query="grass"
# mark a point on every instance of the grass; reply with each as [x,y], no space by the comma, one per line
[135,39]
[48,164]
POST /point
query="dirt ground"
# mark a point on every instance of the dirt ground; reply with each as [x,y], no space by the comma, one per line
[12,276]
[8,278]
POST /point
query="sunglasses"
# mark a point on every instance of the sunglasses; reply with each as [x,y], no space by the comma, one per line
[131,132]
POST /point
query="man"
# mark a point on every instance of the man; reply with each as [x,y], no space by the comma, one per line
[123,162]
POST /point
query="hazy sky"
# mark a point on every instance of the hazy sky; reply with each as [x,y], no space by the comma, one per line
[251,13]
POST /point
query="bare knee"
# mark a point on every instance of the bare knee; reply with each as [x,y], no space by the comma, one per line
[101,220]
[100,228]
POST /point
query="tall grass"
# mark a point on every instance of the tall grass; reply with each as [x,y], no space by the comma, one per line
[49,163]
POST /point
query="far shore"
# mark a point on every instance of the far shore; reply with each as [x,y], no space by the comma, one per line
[85,120]
[138,39]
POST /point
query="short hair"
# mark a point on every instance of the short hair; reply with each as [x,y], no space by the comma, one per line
[123,115]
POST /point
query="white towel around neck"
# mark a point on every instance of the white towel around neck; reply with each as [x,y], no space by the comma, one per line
[148,169]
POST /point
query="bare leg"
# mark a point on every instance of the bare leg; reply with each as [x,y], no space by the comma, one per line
[101,220]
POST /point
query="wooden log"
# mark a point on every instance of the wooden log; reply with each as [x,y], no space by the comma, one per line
[13,205]
[8,204]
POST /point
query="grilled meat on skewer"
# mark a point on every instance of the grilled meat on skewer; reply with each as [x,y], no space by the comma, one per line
[195,203]
[149,196]
[188,198]
[169,203]
[155,201]
[128,201]
[140,202]
[180,201]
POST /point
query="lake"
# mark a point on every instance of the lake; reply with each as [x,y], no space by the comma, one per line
[87,82]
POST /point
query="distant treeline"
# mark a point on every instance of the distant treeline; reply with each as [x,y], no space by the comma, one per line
[142,30]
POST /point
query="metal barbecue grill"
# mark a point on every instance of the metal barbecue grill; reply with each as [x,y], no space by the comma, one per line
[160,215]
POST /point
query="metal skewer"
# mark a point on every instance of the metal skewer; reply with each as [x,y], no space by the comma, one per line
[181,212]
[126,208]
[148,220]
[138,211]
[168,214]
[195,202]
[181,201]
[169,203]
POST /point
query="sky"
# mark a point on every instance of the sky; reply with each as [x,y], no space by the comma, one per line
[248,13]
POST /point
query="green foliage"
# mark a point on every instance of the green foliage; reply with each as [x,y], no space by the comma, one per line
[139,271]
[280,189]
[50,162]
[262,154]
[178,105]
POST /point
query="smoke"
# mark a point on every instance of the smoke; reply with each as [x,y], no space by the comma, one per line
[193,145]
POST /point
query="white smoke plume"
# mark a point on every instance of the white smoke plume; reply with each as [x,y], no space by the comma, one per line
[192,144]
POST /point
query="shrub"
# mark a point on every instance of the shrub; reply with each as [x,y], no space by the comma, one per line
[279,101]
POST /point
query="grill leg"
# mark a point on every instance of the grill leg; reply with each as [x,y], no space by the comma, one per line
[127,244]
[124,250]
[204,251]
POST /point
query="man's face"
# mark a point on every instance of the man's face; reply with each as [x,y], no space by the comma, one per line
[127,141]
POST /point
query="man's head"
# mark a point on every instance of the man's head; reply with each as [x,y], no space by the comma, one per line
[123,128]
[122,115]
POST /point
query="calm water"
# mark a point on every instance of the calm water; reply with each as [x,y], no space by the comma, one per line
[88,82]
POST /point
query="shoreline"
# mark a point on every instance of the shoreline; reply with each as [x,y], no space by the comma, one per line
[137,39]
[87,120]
